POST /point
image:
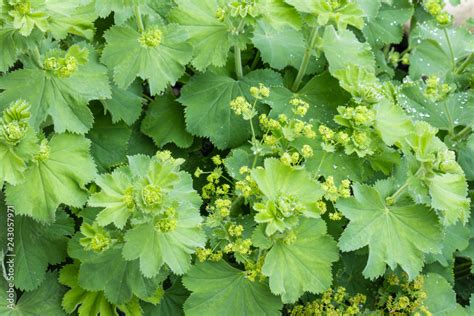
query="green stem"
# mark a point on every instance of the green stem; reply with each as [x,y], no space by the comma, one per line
[453,61]
[37,57]
[463,133]
[254,137]
[464,64]
[138,17]
[394,197]
[306,59]
[238,63]
[255,60]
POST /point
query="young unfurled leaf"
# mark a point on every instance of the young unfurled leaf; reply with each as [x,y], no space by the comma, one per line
[157,54]
[395,234]
[288,194]
[58,175]
[219,289]
[302,264]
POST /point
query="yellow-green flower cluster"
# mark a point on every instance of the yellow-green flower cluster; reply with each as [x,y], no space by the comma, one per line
[332,192]
[43,152]
[253,270]
[332,302]
[203,254]
[435,90]
[167,222]
[240,106]
[240,246]
[64,65]
[260,92]
[15,122]
[399,296]
[151,37]
[246,187]
[332,139]
[435,8]
[300,107]
[221,14]
[235,230]
[95,238]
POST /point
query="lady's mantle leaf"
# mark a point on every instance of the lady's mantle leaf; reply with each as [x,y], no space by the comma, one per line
[210,38]
[46,300]
[164,123]
[64,99]
[305,264]
[161,60]
[118,278]
[219,289]
[58,177]
[207,99]
[395,234]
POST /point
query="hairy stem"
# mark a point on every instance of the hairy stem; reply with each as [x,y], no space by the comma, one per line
[463,133]
[464,65]
[453,61]
[138,17]
[306,59]
[394,197]
[238,63]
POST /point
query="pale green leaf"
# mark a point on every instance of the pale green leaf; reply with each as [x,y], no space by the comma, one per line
[395,234]
[161,65]
[59,179]
[219,289]
[304,265]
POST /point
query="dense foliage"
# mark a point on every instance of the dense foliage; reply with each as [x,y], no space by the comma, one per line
[214,157]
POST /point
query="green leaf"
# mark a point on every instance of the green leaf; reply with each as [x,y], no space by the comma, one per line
[113,198]
[118,278]
[440,297]
[304,265]
[161,65]
[277,13]
[387,26]
[12,43]
[346,13]
[219,289]
[210,38]
[448,195]
[90,303]
[171,303]
[280,47]
[156,248]
[14,158]
[207,100]
[456,237]
[342,49]
[395,234]
[46,300]
[322,93]
[63,99]
[57,179]
[456,110]
[36,246]
[164,122]
[391,122]
[277,181]
[431,54]
[109,142]
[466,157]
[125,104]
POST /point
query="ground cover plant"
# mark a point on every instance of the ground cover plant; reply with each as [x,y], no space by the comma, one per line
[213,157]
